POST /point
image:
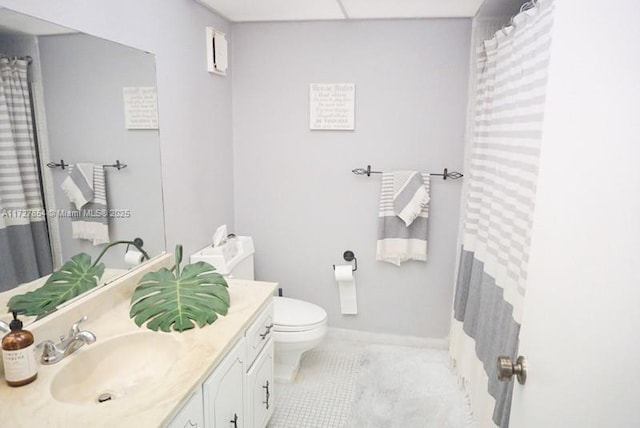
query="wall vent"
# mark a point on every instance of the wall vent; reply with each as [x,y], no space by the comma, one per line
[217,61]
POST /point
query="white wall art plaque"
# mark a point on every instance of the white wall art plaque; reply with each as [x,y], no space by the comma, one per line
[140,107]
[332,106]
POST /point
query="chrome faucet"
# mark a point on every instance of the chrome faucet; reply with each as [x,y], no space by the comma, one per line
[53,353]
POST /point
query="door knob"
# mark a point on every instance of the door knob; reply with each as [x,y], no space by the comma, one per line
[506,369]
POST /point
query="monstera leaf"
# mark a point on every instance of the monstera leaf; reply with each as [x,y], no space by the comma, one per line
[168,299]
[74,278]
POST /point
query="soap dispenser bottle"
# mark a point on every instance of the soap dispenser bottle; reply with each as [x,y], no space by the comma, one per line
[18,355]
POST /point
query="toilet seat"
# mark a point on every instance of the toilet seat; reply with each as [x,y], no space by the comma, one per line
[298,328]
[293,315]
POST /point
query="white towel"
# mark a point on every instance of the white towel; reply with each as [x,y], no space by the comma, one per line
[409,195]
[78,186]
[90,220]
[397,242]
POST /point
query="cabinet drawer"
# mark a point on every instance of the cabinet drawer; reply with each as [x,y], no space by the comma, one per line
[258,334]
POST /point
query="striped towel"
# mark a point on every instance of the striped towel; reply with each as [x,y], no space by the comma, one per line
[85,188]
[397,242]
[78,186]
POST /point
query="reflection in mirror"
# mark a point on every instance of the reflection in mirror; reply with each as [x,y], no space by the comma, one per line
[61,98]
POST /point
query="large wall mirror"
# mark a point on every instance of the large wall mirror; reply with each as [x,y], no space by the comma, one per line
[76,95]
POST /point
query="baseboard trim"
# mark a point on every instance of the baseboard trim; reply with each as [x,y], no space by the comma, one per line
[386,339]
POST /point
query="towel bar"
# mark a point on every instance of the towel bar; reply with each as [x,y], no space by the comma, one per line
[454,175]
[118,165]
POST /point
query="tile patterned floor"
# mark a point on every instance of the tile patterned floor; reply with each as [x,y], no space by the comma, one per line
[323,392]
[329,380]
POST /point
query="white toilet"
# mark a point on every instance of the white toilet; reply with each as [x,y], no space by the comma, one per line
[298,326]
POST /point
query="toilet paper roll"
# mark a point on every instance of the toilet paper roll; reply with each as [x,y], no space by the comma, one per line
[344,273]
[347,289]
[133,257]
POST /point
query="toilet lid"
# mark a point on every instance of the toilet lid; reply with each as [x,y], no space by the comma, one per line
[289,312]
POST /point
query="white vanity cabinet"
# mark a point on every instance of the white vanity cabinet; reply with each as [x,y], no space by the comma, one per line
[224,391]
[239,391]
[191,415]
[260,388]
[259,378]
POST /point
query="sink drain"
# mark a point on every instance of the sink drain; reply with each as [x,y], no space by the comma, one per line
[105,397]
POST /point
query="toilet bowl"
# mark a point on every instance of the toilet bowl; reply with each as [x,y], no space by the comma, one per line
[298,326]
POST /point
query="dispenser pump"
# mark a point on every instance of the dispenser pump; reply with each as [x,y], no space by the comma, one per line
[15,324]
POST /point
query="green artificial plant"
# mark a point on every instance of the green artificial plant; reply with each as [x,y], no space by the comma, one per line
[175,299]
[75,277]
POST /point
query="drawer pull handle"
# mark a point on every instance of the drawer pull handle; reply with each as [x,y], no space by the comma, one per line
[234,421]
[266,333]
[266,403]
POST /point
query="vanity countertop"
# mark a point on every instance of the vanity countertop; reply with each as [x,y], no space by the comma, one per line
[198,351]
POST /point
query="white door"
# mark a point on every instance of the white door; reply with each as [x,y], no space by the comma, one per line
[581,326]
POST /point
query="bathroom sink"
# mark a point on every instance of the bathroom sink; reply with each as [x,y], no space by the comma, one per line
[115,368]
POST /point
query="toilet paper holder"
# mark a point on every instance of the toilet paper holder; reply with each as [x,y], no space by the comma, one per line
[349,256]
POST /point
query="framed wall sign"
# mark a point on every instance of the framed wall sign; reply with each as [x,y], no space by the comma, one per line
[332,106]
[140,107]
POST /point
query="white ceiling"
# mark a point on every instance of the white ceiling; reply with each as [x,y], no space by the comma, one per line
[308,10]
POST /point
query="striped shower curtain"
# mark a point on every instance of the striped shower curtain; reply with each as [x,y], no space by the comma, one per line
[24,243]
[499,206]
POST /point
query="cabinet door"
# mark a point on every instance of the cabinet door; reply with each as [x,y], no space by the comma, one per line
[191,414]
[224,390]
[260,388]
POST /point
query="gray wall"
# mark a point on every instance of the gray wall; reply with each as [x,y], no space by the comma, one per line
[83,77]
[499,9]
[294,189]
[18,45]
[194,105]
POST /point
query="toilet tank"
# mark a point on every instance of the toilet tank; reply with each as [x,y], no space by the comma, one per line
[233,259]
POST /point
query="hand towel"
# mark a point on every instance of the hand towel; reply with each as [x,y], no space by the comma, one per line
[409,195]
[397,242]
[90,220]
[78,186]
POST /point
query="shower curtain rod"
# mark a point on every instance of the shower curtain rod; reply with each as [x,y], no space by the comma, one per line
[525,6]
[528,5]
[454,175]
